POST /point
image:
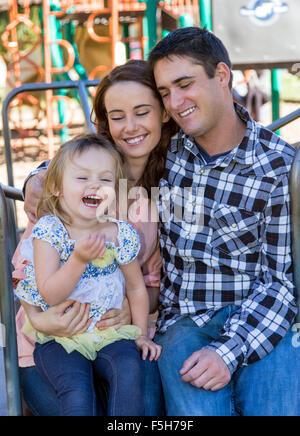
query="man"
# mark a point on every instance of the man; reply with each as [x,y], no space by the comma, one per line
[227,294]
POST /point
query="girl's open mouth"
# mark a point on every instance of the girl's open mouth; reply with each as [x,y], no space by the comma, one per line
[91,201]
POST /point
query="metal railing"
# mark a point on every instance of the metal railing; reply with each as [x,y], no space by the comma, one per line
[9,239]
[81,86]
[7,307]
[295,202]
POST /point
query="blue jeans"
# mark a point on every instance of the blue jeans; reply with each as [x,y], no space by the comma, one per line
[270,387]
[42,400]
[72,377]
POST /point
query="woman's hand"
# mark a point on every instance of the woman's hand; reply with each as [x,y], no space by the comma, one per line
[147,346]
[64,320]
[115,317]
[33,192]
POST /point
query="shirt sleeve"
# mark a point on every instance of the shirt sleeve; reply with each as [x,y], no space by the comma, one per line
[151,270]
[129,244]
[265,316]
[50,230]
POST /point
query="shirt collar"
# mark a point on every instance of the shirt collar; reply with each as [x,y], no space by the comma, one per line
[244,153]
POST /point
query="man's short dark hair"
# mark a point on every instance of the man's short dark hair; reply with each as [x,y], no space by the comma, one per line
[202,46]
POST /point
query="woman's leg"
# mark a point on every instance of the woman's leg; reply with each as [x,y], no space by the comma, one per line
[39,396]
[71,375]
[120,364]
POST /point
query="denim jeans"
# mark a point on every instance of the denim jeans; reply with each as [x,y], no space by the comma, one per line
[72,377]
[270,387]
[42,400]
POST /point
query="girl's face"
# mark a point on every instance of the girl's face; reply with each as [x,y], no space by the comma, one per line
[135,118]
[89,180]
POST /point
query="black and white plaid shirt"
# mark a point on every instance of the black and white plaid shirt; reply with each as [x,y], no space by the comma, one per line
[231,242]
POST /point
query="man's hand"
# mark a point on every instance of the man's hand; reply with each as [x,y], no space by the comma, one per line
[33,192]
[206,369]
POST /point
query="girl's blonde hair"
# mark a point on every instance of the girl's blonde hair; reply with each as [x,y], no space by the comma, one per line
[49,202]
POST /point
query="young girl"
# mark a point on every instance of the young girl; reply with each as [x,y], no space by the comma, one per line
[76,254]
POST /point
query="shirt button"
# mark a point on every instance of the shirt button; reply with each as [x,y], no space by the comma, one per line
[194,203]
[186,300]
[187,237]
[202,171]
[189,265]
[233,225]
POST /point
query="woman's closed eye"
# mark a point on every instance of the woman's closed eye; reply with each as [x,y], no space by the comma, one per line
[141,114]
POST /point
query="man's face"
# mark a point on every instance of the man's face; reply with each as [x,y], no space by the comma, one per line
[190,97]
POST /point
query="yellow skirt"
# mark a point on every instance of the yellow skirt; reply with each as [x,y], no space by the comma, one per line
[88,344]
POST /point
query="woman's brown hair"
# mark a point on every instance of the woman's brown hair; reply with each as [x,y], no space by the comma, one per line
[135,71]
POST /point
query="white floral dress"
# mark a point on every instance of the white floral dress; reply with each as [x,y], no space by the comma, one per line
[101,285]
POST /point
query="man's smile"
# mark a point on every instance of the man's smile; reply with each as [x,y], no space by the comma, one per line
[187,112]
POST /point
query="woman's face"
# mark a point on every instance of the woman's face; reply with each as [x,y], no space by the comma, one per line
[135,118]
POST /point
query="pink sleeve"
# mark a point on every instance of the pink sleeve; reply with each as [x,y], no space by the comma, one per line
[25,344]
[151,270]
[146,226]
[18,262]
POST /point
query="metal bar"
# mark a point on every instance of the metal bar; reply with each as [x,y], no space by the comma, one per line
[295,215]
[7,315]
[85,106]
[151,28]
[284,120]
[13,193]
[82,85]
[275,88]
[205,14]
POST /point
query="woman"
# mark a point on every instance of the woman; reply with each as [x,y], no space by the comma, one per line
[129,111]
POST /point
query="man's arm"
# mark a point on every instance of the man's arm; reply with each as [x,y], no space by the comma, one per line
[41,167]
[268,311]
[265,315]
[32,190]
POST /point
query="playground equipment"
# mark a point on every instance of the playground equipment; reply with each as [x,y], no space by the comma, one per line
[78,39]
[255,33]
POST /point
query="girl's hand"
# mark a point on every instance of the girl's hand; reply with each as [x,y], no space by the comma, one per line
[89,248]
[146,345]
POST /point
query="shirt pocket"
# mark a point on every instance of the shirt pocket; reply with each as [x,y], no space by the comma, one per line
[235,231]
